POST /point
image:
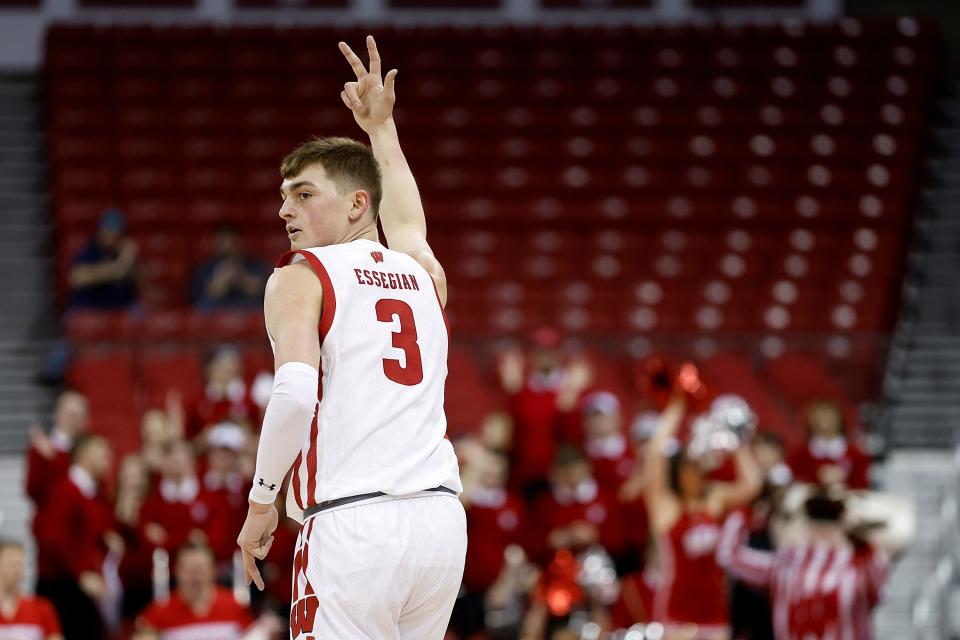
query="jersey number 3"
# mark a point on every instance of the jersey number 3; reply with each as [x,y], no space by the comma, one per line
[405,339]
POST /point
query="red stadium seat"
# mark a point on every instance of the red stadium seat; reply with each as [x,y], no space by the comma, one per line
[225,326]
[165,326]
[468,398]
[733,373]
[804,377]
[165,369]
[726,180]
[104,374]
[85,326]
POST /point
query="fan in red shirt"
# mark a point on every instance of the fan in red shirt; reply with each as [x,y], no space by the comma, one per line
[685,510]
[226,397]
[198,608]
[22,617]
[825,587]
[830,457]
[179,509]
[542,390]
[49,458]
[578,512]
[608,449]
[79,533]
[225,490]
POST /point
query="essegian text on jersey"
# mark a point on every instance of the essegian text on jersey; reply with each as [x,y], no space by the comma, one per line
[384,280]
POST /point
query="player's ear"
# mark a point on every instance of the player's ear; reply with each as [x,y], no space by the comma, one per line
[359,205]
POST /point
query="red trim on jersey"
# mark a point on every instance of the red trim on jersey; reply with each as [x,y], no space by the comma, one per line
[296,479]
[329,305]
[443,311]
[297,567]
[312,452]
[312,464]
[327,311]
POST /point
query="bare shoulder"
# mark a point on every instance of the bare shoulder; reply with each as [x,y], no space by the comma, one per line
[664,512]
[291,277]
[293,283]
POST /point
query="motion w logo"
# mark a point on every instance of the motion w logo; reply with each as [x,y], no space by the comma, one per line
[303,615]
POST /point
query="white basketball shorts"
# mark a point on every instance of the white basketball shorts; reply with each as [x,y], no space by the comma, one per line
[385,569]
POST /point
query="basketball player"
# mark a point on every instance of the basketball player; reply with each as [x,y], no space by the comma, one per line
[373,478]
[686,511]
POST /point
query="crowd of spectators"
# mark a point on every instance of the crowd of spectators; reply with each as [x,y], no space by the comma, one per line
[112,538]
[585,518]
[585,511]
[571,479]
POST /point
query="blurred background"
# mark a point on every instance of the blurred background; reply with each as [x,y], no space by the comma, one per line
[616,189]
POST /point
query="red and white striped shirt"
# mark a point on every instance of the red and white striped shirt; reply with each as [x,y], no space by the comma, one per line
[820,591]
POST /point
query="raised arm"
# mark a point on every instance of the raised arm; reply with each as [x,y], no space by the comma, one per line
[730,495]
[655,484]
[371,99]
[752,566]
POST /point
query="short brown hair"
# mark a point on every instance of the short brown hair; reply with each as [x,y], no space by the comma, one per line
[192,546]
[347,162]
[9,543]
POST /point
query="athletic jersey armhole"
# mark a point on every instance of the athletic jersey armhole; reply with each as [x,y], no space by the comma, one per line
[329,304]
[443,311]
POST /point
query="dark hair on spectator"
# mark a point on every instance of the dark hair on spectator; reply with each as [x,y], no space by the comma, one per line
[674,463]
[84,442]
[193,546]
[567,455]
[825,403]
[349,163]
[226,228]
[823,507]
[10,543]
[769,438]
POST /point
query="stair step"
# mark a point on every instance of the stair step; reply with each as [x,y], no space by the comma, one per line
[23,170]
[27,138]
[932,370]
[21,154]
[19,88]
[22,184]
[947,353]
[16,109]
[20,121]
[909,388]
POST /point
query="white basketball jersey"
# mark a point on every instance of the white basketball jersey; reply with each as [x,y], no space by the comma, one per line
[380,424]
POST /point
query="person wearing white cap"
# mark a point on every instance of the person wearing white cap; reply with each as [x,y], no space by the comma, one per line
[605,444]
